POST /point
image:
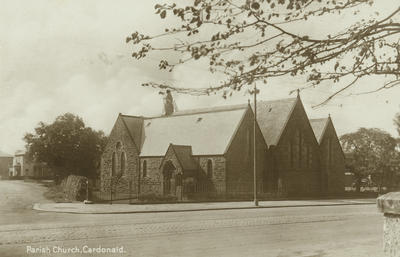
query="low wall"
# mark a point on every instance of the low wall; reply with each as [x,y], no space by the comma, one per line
[389,204]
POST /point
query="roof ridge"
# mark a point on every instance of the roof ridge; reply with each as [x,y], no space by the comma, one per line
[132,116]
[181,145]
[223,108]
[278,100]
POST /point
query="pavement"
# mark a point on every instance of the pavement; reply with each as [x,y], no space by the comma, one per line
[82,208]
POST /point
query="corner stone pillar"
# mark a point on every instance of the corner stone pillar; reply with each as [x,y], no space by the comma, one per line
[389,205]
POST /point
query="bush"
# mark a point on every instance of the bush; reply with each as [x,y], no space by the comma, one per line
[74,187]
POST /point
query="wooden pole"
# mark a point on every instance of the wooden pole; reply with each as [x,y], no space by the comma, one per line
[255,146]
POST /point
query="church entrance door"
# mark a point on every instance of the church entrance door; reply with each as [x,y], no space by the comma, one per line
[168,170]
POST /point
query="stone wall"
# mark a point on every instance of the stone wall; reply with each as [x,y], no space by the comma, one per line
[391,235]
[152,182]
[218,177]
[120,143]
[389,204]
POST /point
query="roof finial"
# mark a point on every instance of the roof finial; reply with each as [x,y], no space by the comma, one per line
[298,92]
[248,101]
[329,115]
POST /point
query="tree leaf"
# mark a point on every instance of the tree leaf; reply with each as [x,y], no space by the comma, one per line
[163,14]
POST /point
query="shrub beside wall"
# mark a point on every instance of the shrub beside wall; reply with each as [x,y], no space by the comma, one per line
[74,187]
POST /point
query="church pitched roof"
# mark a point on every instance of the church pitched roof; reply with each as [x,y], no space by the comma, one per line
[207,131]
[272,117]
[184,155]
[134,124]
[319,126]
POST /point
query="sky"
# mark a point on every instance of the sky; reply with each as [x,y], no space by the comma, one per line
[59,56]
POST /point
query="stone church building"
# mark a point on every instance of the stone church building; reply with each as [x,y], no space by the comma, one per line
[210,152]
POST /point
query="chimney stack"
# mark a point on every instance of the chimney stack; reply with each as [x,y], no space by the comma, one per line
[168,103]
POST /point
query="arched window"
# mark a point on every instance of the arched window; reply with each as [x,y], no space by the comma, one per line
[178,179]
[118,145]
[297,148]
[329,150]
[144,169]
[248,143]
[114,164]
[209,169]
[123,162]
[300,148]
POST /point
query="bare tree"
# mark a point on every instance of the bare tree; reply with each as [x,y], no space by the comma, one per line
[216,29]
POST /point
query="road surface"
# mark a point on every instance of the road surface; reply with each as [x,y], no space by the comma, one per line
[352,231]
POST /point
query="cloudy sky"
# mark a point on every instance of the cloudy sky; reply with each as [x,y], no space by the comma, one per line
[59,56]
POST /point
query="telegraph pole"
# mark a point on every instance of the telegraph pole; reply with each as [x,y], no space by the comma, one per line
[255,146]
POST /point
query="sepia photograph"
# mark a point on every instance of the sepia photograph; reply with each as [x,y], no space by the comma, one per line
[200,128]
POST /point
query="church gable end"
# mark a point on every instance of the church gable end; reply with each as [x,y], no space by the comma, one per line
[240,157]
[120,158]
[332,160]
[297,155]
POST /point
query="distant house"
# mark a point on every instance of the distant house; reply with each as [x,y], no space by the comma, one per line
[23,167]
[5,164]
[210,152]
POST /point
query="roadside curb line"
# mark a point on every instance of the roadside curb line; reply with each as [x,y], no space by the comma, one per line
[37,207]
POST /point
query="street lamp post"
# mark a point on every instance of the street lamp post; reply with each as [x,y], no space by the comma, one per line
[87,201]
[87,189]
[255,146]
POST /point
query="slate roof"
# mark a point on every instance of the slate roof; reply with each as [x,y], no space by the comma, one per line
[134,125]
[3,154]
[319,126]
[184,155]
[208,132]
[272,117]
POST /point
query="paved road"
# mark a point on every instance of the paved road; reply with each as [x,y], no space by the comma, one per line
[282,232]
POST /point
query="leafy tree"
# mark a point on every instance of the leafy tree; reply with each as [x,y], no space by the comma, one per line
[253,40]
[371,152]
[67,146]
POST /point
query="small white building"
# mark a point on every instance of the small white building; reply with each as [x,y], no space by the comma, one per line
[21,166]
